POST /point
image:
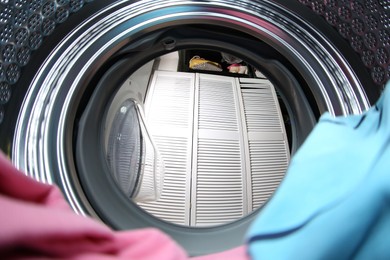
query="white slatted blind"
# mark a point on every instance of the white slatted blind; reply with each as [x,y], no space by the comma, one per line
[218,194]
[268,165]
[223,144]
[268,147]
[217,104]
[169,112]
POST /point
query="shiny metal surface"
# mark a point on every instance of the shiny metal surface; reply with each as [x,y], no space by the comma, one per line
[40,146]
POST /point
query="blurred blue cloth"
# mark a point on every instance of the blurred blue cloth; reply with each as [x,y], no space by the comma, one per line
[334,202]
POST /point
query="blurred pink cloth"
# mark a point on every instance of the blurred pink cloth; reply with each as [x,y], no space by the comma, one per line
[36,222]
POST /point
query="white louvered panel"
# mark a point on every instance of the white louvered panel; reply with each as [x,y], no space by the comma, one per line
[169,113]
[221,142]
[172,204]
[261,110]
[170,100]
[269,162]
[268,146]
[216,103]
[219,192]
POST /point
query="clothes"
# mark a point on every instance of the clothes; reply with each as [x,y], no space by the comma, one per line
[36,222]
[334,202]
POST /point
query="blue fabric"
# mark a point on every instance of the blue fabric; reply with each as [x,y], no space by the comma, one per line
[334,202]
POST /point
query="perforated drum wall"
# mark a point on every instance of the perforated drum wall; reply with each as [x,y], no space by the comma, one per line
[24,25]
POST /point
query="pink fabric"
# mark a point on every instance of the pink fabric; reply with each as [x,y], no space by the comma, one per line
[36,222]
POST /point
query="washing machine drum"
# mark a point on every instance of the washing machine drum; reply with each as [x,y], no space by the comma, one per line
[101,99]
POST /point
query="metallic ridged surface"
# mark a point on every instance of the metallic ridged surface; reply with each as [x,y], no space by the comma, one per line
[23,26]
[365,24]
[53,94]
[5,92]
